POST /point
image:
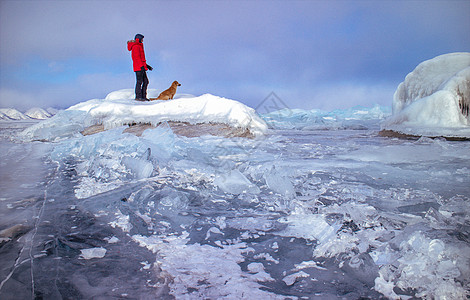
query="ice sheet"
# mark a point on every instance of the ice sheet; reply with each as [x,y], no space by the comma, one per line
[336,214]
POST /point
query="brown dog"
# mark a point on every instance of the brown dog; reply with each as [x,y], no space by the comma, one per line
[168,93]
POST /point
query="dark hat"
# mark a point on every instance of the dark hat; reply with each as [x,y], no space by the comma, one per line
[139,36]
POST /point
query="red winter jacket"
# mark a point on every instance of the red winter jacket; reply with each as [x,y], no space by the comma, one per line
[138,55]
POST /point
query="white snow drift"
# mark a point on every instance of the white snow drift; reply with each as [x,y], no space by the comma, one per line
[119,109]
[434,99]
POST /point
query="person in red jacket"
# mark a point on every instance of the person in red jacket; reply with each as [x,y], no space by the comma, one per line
[140,67]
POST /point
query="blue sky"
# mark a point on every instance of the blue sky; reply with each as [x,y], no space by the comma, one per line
[312,54]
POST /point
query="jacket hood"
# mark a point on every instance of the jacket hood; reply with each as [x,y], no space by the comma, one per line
[131,44]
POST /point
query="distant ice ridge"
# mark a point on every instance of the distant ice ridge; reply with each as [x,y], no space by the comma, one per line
[354,118]
[12,114]
[434,99]
[117,110]
[36,113]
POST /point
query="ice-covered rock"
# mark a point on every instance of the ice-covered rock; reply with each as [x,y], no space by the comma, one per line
[113,112]
[434,99]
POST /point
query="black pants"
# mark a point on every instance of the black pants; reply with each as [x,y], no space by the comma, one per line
[141,85]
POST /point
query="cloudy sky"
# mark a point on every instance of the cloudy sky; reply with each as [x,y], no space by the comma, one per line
[312,54]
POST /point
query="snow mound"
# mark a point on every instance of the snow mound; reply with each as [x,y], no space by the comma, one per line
[117,110]
[125,94]
[37,113]
[129,94]
[434,99]
[12,114]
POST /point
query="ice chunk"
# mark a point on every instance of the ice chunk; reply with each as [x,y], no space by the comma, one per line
[259,273]
[141,168]
[436,247]
[291,279]
[234,182]
[312,227]
[383,256]
[255,267]
[385,287]
[112,240]
[279,183]
[267,257]
[173,199]
[122,221]
[161,142]
[429,266]
[65,124]
[213,230]
[90,253]
[448,270]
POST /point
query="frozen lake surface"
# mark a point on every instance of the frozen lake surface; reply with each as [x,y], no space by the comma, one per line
[333,212]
